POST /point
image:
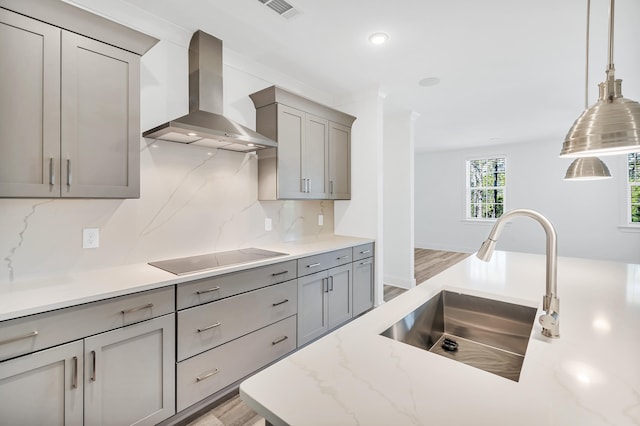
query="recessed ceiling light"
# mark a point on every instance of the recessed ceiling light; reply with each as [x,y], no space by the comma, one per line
[192,134]
[429,81]
[378,38]
[250,144]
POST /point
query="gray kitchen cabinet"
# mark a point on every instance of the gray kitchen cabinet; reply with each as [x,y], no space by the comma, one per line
[324,302]
[230,326]
[339,161]
[43,388]
[363,278]
[106,362]
[312,160]
[70,109]
[129,374]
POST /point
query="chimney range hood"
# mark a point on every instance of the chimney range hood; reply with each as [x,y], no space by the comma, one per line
[205,125]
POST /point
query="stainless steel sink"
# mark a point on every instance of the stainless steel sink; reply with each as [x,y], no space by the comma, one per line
[484,333]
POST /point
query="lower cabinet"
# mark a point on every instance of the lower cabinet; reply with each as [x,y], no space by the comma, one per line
[362,286]
[120,377]
[129,374]
[43,388]
[324,302]
[211,371]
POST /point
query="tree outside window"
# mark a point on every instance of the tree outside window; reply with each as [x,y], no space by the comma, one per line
[486,186]
[634,187]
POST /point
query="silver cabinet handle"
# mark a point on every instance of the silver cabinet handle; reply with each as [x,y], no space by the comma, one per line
[280,303]
[52,173]
[313,265]
[365,251]
[330,279]
[206,376]
[15,339]
[216,288]
[280,340]
[367,262]
[279,273]
[343,257]
[74,377]
[93,366]
[69,172]
[308,185]
[209,327]
[331,187]
[325,285]
[303,185]
[136,309]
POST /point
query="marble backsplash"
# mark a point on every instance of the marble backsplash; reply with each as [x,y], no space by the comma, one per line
[193,200]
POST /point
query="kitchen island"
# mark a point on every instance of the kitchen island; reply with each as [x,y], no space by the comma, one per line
[588,376]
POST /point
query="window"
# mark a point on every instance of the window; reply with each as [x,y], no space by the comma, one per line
[633,197]
[486,185]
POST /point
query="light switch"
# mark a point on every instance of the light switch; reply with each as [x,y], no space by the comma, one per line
[90,238]
[268,226]
[320,219]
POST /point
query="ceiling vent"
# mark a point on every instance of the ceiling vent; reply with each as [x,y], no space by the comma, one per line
[281,7]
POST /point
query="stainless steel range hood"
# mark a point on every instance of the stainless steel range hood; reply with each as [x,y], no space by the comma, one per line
[205,125]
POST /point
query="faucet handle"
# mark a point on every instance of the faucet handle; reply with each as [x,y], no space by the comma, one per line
[550,324]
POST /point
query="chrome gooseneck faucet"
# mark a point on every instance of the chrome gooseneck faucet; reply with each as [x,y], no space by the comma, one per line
[551,304]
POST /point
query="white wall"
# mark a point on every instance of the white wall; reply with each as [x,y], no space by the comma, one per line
[398,204]
[586,215]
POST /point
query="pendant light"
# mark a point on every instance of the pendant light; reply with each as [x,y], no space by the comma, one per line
[587,168]
[612,125]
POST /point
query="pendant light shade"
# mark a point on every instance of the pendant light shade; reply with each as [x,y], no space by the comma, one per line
[610,126]
[587,168]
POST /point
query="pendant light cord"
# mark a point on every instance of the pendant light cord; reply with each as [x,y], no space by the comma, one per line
[611,14]
[586,68]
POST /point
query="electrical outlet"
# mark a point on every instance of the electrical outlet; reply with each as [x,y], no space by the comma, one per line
[268,226]
[90,238]
[320,220]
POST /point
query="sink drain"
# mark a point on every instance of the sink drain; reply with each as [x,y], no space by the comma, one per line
[449,345]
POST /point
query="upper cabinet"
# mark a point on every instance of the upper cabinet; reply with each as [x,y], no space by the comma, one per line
[313,157]
[70,110]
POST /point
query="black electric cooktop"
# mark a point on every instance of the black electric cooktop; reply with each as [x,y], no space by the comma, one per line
[205,262]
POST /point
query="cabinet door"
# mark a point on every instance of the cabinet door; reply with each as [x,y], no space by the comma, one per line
[339,162]
[29,107]
[340,293]
[43,388]
[100,120]
[291,130]
[362,286]
[312,306]
[130,374]
[314,157]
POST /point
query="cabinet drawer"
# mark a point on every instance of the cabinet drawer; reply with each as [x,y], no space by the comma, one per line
[209,372]
[207,326]
[362,251]
[323,261]
[27,334]
[209,289]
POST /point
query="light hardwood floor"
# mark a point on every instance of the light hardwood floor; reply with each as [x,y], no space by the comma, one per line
[233,412]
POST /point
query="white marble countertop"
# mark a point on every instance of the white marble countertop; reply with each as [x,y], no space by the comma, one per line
[22,298]
[589,376]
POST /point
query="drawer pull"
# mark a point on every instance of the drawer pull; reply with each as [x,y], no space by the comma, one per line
[280,303]
[280,340]
[206,376]
[74,378]
[52,173]
[368,262]
[313,265]
[15,339]
[136,309]
[365,251]
[216,288]
[209,327]
[343,257]
[93,366]
[279,273]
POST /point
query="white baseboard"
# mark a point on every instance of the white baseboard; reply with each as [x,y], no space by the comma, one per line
[401,282]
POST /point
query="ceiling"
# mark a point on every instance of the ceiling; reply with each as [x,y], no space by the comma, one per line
[510,70]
